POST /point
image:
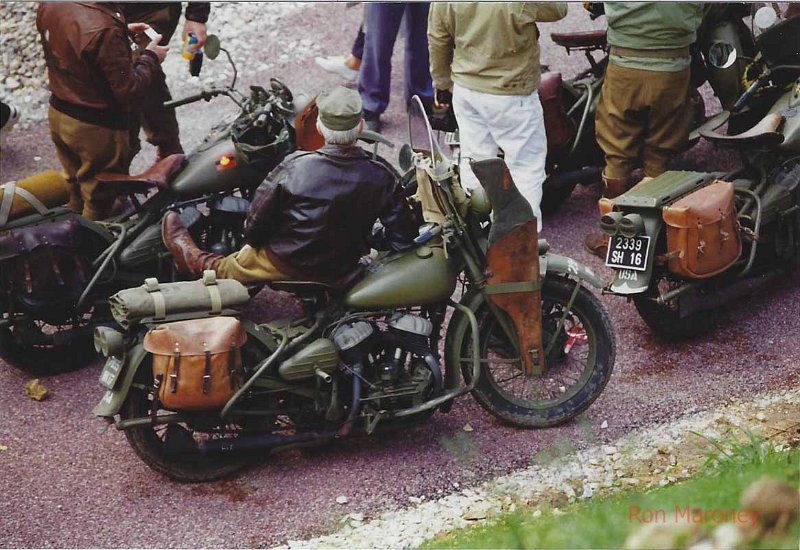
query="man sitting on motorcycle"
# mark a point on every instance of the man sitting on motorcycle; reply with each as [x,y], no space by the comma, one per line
[311,216]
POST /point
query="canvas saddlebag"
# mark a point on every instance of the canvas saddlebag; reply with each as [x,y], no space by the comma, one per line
[197,364]
[703,232]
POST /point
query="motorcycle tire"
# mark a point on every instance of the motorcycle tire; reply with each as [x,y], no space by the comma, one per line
[593,322]
[50,355]
[665,321]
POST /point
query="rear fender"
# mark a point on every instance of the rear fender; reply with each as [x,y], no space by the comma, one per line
[113,399]
[629,281]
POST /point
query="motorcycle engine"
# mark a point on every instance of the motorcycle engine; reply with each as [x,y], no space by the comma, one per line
[222,231]
[395,360]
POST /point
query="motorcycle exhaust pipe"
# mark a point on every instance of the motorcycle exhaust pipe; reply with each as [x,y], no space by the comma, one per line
[743,287]
[261,441]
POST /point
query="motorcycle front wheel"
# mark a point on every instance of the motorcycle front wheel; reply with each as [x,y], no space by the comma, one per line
[580,350]
[171,449]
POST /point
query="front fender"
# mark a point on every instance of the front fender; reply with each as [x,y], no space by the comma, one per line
[561,265]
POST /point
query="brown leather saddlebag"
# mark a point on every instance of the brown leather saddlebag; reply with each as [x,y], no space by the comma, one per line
[703,232]
[197,364]
[558,126]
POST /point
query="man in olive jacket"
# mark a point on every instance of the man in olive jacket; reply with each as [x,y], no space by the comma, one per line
[487,55]
[644,115]
[94,83]
[310,219]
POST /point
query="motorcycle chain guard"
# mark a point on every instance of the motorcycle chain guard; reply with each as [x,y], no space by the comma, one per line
[512,261]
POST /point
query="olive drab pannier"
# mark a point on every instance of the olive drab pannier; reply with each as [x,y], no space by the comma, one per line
[197,364]
[703,232]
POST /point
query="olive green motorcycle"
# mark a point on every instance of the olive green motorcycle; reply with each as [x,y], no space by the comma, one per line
[685,243]
[525,336]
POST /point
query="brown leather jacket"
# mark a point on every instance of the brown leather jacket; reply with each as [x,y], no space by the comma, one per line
[314,212]
[89,64]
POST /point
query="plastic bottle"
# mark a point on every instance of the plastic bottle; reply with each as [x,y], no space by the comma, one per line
[190,47]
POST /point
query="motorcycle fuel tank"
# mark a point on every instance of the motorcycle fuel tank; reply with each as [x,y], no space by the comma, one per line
[789,106]
[420,276]
[214,169]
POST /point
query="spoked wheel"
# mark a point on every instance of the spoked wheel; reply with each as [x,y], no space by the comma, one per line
[580,349]
[41,348]
[665,320]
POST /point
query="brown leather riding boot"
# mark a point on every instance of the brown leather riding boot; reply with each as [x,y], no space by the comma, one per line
[614,187]
[188,258]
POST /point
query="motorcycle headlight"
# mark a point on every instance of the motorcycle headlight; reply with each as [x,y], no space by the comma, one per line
[480,204]
[609,223]
[108,341]
[631,225]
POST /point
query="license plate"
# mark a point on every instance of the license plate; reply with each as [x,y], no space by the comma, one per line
[628,252]
[111,372]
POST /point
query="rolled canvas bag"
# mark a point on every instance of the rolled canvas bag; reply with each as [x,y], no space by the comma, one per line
[197,364]
[703,232]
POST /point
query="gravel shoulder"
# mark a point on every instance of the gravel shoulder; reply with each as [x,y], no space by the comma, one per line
[71,481]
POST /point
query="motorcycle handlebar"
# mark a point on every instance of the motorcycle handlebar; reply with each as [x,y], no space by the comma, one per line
[205,94]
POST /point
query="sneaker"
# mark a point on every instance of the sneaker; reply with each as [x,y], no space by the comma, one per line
[336,64]
[372,122]
[9,115]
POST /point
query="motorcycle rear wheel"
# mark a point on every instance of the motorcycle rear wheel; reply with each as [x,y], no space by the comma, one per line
[665,320]
[176,458]
[507,393]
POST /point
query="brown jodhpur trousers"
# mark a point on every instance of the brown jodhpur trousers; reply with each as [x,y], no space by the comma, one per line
[84,150]
[159,124]
[249,265]
[643,119]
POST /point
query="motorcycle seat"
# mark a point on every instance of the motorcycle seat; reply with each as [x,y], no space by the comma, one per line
[157,175]
[765,134]
[306,288]
[585,39]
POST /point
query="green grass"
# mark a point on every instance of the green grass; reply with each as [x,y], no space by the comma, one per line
[604,523]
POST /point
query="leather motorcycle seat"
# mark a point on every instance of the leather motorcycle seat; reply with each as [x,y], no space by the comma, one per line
[765,134]
[158,175]
[584,39]
[307,288]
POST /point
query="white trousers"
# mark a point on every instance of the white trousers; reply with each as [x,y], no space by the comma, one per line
[512,123]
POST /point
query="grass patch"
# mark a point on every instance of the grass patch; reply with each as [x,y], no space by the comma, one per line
[606,523]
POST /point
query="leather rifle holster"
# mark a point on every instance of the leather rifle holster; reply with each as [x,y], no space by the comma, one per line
[512,261]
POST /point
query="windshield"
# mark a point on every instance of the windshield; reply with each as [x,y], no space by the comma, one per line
[424,140]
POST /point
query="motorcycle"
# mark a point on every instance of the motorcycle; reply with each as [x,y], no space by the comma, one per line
[685,243]
[57,269]
[365,355]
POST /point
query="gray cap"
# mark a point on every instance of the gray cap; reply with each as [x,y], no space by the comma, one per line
[340,108]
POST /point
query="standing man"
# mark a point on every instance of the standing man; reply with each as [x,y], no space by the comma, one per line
[159,124]
[381,27]
[644,115]
[485,58]
[94,83]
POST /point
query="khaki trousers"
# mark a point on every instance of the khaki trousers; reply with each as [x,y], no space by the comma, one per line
[249,265]
[643,119]
[84,150]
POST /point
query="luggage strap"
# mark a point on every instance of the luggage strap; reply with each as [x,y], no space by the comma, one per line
[210,280]
[159,304]
[10,190]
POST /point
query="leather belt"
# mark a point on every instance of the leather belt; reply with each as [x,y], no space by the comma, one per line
[662,53]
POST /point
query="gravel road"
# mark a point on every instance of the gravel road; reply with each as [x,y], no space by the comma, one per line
[70,481]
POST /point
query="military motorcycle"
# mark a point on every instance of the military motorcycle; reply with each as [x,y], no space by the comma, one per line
[526,337]
[57,269]
[685,243]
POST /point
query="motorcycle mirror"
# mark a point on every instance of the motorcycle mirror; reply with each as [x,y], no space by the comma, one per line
[722,55]
[212,46]
[765,17]
[405,157]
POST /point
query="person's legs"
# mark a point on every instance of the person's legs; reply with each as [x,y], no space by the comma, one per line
[517,125]
[375,78]
[249,265]
[476,141]
[70,161]
[417,67]
[669,121]
[357,51]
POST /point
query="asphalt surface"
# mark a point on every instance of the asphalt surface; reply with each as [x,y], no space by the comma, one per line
[68,480]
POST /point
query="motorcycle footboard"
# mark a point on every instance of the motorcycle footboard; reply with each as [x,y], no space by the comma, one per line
[513,285]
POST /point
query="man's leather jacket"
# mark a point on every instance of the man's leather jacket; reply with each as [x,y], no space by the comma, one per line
[92,75]
[314,212]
